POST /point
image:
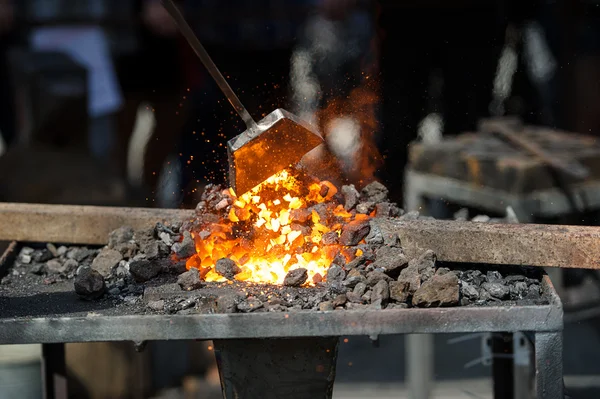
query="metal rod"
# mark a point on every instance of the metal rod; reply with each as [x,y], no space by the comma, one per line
[54,371]
[192,39]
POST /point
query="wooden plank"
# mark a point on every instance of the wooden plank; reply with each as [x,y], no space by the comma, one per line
[76,224]
[503,244]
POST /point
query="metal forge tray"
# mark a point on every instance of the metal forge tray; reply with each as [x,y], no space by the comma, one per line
[268,355]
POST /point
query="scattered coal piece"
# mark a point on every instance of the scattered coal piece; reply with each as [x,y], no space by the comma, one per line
[365,208]
[106,260]
[494,276]
[42,256]
[186,248]
[381,293]
[54,266]
[190,280]
[157,305]
[375,236]
[360,289]
[469,291]
[330,238]
[533,292]
[249,305]
[122,235]
[89,284]
[426,265]
[339,300]
[375,276]
[496,289]
[518,290]
[411,276]
[354,232]
[374,192]
[227,303]
[300,216]
[399,290]
[296,277]
[354,277]
[335,274]
[326,306]
[351,196]
[391,259]
[142,269]
[227,268]
[387,209]
[438,291]
[37,268]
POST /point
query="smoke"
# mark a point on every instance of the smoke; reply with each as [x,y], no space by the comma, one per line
[324,67]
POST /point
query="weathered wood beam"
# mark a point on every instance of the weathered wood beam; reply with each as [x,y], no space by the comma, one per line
[503,244]
[76,224]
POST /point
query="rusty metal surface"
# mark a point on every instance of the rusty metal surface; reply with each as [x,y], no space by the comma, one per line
[504,244]
[75,224]
[126,326]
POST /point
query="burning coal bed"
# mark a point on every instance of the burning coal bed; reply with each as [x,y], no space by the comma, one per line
[291,244]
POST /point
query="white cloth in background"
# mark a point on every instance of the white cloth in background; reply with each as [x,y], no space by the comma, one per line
[88,46]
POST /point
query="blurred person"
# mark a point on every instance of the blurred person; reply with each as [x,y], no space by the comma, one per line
[7,106]
[152,75]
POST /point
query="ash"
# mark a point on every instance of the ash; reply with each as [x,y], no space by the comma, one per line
[146,270]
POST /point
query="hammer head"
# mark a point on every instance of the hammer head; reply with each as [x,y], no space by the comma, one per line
[280,140]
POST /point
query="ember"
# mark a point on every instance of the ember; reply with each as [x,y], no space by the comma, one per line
[289,222]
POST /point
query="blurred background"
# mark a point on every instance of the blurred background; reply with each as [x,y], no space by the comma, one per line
[102,102]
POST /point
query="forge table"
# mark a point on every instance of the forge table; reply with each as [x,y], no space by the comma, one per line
[292,355]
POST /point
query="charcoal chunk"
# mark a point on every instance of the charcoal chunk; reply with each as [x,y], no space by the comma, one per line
[374,277]
[106,260]
[42,256]
[351,196]
[249,305]
[411,276]
[89,284]
[438,291]
[426,265]
[375,236]
[391,259]
[339,300]
[190,280]
[227,268]
[120,236]
[353,232]
[227,303]
[374,192]
[186,248]
[387,209]
[399,290]
[518,290]
[296,277]
[470,291]
[496,289]
[381,293]
[143,269]
[335,274]
[365,208]
[330,238]
[326,306]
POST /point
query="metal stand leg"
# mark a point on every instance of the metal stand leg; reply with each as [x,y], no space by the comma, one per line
[502,366]
[277,368]
[419,365]
[549,365]
[54,371]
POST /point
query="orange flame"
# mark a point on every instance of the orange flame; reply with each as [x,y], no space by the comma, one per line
[276,227]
